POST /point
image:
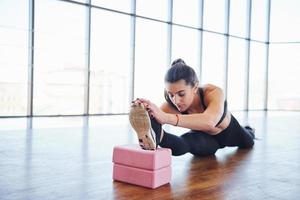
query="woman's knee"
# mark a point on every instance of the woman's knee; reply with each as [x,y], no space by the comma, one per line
[207,152]
[179,151]
[201,144]
[247,145]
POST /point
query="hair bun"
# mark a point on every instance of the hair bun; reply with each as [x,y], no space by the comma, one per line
[178,60]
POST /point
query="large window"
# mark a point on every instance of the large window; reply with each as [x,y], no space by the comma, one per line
[157,9]
[150,59]
[285,20]
[284,62]
[214,15]
[257,77]
[59,60]
[110,62]
[283,90]
[238,18]
[237,74]
[124,5]
[259,19]
[213,54]
[284,70]
[13,57]
[180,10]
[90,59]
[186,46]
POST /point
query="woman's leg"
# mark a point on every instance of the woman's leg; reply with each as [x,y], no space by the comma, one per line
[177,144]
[196,143]
[236,135]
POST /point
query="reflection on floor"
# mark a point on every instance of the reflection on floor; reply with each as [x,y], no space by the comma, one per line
[70,158]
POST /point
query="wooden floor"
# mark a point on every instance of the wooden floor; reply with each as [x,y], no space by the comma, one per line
[70,158]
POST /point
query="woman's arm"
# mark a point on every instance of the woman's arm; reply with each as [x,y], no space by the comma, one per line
[206,121]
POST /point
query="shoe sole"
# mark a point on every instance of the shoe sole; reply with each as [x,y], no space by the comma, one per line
[140,122]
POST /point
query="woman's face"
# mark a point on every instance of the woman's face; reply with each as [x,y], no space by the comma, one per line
[181,94]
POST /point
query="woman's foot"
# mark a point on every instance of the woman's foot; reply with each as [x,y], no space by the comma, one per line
[141,123]
[250,130]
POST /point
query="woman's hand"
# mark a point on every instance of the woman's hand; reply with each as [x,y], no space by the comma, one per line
[153,110]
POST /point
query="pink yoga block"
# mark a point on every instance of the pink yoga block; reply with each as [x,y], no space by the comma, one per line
[147,178]
[134,156]
[142,167]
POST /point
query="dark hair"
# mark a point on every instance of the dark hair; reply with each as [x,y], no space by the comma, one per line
[179,71]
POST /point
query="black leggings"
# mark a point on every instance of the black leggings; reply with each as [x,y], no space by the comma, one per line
[200,143]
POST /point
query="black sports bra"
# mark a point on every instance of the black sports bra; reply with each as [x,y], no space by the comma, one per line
[201,94]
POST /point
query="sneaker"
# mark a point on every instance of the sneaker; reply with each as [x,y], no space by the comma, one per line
[141,123]
[251,130]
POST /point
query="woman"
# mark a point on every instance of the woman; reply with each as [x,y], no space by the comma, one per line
[201,109]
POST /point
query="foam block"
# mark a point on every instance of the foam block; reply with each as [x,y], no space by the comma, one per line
[134,156]
[142,167]
[147,178]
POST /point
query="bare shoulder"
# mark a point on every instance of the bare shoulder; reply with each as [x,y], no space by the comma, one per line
[210,87]
[212,91]
[166,107]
